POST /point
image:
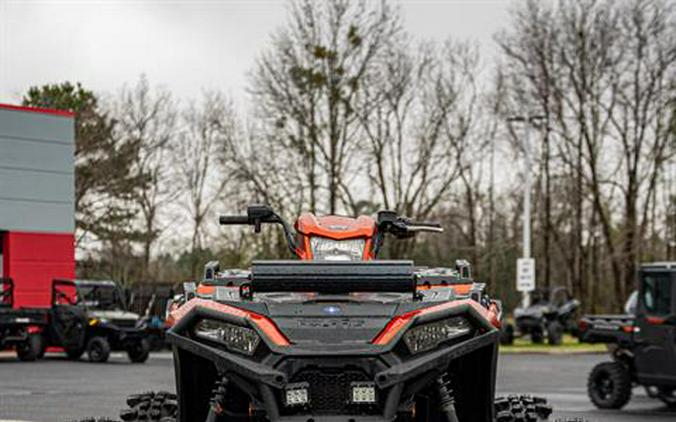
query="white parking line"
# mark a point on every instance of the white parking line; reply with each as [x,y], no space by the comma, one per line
[12,420]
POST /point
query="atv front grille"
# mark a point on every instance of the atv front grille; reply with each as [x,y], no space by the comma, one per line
[330,392]
[124,323]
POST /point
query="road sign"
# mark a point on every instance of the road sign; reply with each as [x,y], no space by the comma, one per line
[525,274]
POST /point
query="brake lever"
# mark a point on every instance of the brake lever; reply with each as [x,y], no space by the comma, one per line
[424,228]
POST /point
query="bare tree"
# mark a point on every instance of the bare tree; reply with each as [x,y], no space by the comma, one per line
[197,158]
[644,94]
[147,116]
[600,71]
[419,115]
[306,86]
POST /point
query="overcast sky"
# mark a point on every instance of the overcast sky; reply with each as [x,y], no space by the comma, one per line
[183,45]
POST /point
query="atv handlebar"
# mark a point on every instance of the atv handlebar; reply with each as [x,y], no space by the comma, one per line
[402,227]
[233,219]
[386,222]
[255,215]
[416,226]
[258,214]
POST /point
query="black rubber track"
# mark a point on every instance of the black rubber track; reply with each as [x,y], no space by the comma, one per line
[158,406]
[162,407]
[521,409]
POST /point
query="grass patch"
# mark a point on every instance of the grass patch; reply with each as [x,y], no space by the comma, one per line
[570,346]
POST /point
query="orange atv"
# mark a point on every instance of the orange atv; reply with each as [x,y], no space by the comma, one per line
[337,335]
[328,238]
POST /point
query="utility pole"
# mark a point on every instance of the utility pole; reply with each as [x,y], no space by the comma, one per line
[526,265]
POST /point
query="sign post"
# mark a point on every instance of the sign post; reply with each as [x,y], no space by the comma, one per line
[525,275]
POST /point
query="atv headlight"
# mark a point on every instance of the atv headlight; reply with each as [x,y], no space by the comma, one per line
[98,321]
[428,336]
[337,250]
[234,337]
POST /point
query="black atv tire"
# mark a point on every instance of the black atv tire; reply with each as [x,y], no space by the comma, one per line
[555,333]
[609,385]
[158,406]
[139,351]
[507,335]
[521,409]
[537,336]
[156,342]
[43,349]
[75,354]
[98,349]
[29,350]
[667,396]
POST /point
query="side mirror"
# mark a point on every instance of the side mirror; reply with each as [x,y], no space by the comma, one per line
[190,290]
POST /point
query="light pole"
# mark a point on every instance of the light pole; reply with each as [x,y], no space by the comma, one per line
[526,268]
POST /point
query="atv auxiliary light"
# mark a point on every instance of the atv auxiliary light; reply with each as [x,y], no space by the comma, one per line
[428,336]
[297,394]
[363,392]
[234,337]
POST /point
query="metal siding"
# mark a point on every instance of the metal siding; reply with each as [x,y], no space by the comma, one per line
[36,172]
[34,260]
[34,215]
[36,186]
[36,126]
[47,156]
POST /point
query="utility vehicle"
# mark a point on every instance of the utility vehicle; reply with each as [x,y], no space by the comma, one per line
[549,316]
[20,328]
[335,336]
[90,316]
[642,345]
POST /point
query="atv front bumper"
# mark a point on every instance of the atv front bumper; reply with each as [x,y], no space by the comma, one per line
[329,375]
[119,338]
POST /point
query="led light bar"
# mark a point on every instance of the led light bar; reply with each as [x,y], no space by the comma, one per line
[363,392]
[297,394]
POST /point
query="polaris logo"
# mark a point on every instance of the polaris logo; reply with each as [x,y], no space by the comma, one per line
[332,310]
[332,323]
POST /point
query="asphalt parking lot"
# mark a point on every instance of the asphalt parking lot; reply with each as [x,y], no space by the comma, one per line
[56,389]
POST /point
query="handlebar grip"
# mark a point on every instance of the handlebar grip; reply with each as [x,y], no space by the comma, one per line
[424,224]
[234,219]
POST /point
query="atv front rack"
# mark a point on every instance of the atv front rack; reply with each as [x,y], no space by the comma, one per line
[328,277]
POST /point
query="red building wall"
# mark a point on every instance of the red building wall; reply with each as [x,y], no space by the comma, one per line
[35,259]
